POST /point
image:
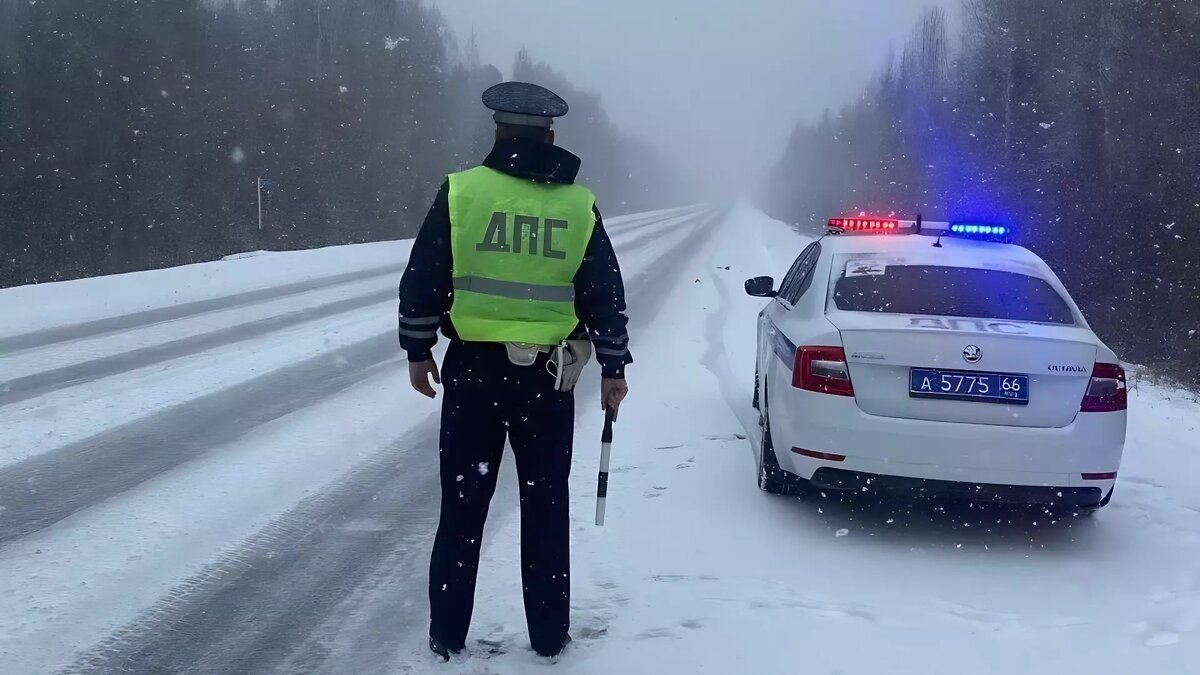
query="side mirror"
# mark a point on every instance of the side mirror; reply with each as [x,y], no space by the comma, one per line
[761,287]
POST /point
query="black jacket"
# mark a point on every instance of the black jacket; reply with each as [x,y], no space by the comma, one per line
[427,288]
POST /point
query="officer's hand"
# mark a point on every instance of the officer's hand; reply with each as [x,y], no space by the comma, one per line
[612,392]
[419,374]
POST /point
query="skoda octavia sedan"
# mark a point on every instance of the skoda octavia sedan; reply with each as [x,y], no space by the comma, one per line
[938,358]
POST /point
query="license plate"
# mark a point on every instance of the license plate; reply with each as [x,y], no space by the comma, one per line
[959,385]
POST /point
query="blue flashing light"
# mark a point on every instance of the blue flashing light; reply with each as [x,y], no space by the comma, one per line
[986,232]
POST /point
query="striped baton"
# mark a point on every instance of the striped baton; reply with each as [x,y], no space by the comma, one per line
[605,450]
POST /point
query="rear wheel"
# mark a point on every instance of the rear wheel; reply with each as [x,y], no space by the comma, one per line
[771,477]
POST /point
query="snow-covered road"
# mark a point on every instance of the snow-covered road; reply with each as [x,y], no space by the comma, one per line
[221,469]
[190,460]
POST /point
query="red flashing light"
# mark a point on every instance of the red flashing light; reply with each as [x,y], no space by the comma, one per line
[823,370]
[1107,391]
[864,224]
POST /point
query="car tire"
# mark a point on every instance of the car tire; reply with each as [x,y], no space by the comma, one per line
[754,401]
[772,478]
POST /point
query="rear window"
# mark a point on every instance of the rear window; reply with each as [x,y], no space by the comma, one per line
[935,290]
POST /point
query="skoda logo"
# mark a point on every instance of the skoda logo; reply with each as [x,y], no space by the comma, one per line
[972,354]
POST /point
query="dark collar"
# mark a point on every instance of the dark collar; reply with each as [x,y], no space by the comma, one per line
[534,161]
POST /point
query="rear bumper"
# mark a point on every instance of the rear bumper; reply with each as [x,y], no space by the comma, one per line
[973,454]
[1027,495]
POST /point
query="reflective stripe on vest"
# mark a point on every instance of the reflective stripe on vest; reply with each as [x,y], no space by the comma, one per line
[515,290]
[516,247]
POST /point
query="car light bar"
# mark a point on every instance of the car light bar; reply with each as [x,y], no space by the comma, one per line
[984,232]
[869,225]
[875,225]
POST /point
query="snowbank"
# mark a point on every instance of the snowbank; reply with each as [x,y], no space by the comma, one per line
[40,306]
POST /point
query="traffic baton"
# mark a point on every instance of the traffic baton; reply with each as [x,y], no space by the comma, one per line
[605,451]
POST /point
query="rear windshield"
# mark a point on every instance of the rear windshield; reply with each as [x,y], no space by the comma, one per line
[950,291]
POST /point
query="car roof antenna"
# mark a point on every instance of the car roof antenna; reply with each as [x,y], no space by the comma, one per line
[936,244]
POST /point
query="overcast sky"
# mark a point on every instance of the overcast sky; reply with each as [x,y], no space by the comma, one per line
[713,81]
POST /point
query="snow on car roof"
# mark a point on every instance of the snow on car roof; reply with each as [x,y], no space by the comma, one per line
[920,249]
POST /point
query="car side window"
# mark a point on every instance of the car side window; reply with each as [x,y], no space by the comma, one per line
[794,283]
[789,279]
[807,272]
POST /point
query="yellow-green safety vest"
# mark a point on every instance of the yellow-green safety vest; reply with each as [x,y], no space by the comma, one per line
[516,246]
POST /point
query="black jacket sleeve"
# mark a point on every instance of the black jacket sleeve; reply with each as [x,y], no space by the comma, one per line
[600,303]
[427,286]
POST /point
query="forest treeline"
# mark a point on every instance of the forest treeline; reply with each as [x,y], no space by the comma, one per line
[1078,121]
[133,135]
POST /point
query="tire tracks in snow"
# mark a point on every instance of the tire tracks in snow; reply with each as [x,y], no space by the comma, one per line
[290,599]
[48,381]
[643,302]
[127,322]
[44,489]
[247,612]
[623,225]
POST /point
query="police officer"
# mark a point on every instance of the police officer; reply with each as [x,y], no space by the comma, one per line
[514,266]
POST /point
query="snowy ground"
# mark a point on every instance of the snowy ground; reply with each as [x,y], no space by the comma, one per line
[250,488]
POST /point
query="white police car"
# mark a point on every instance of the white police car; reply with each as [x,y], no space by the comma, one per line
[938,358]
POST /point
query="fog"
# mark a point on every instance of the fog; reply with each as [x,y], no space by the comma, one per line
[715,84]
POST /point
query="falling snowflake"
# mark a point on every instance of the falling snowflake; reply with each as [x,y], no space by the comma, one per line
[238,155]
[1046,125]
[483,468]
[842,532]
[391,43]
[124,79]
[459,478]
[343,89]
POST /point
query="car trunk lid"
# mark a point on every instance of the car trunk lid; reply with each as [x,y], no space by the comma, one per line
[882,349]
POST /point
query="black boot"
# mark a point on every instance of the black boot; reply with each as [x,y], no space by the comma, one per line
[442,650]
[553,656]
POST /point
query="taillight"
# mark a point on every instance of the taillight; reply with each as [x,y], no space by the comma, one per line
[823,370]
[1106,392]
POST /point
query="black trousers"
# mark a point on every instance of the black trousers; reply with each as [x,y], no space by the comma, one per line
[486,399]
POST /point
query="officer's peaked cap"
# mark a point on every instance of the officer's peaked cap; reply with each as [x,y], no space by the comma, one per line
[524,104]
